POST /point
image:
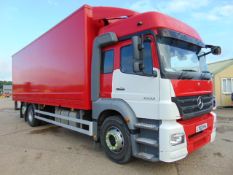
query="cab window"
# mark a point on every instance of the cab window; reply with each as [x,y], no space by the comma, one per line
[127,59]
[107,63]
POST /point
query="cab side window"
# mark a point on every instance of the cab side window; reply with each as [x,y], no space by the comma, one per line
[107,63]
[127,59]
[147,59]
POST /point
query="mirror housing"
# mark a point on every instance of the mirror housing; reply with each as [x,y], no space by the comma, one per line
[137,53]
[216,50]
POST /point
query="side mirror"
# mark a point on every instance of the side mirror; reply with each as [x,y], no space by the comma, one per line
[137,53]
[216,50]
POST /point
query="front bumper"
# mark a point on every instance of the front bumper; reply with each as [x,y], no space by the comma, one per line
[193,140]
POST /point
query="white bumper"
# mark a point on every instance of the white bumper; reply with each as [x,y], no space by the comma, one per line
[167,152]
[213,135]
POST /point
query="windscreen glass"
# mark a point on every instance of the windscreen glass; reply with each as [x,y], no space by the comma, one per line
[179,56]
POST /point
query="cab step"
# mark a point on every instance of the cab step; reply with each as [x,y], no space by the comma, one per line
[147,126]
[147,141]
[146,156]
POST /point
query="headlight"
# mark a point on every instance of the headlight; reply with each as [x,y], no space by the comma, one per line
[177,139]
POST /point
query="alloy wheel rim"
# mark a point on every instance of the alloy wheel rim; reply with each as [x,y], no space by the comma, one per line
[114,139]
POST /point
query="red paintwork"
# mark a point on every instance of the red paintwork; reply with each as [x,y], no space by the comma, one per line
[106,79]
[111,12]
[151,20]
[106,85]
[192,87]
[197,140]
[55,68]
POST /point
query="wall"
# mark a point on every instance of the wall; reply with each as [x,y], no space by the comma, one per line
[222,99]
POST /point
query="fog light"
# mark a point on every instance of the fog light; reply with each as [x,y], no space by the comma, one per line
[177,139]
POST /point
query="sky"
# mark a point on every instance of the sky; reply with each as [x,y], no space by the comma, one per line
[22,21]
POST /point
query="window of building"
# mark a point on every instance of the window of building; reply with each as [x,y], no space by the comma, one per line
[127,59]
[227,85]
[107,61]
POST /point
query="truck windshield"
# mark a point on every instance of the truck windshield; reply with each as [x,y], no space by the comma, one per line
[179,59]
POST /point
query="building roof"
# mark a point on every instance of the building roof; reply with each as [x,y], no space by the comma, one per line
[219,66]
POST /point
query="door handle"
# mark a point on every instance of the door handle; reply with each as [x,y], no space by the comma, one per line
[120,89]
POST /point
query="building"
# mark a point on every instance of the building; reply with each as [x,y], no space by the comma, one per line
[7,89]
[223,81]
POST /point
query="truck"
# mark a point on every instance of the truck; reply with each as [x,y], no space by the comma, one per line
[137,83]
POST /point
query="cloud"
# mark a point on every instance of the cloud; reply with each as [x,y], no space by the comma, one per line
[143,6]
[52,2]
[184,5]
[172,6]
[223,12]
[208,10]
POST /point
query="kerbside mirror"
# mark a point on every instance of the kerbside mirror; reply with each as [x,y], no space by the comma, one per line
[216,50]
[137,53]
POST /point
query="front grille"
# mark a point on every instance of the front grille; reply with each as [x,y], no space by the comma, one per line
[190,106]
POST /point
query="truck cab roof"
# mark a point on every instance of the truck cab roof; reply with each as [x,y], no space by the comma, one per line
[149,21]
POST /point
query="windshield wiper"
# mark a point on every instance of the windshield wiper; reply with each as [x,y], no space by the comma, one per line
[205,75]
[188,70]
[205,71]
[184,75]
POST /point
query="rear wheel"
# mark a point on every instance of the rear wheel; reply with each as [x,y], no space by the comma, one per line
[23,109]
[32,121]
[115,139]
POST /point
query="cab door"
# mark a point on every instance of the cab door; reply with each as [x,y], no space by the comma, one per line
[139,90]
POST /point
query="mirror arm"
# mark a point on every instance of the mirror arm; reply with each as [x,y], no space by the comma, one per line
[204,54]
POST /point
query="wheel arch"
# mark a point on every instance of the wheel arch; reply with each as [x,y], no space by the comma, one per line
[103,107]
[107,113]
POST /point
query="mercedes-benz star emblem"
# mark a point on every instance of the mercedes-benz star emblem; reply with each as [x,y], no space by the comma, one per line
[200,102]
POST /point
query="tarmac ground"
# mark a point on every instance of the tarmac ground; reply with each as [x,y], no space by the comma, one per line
[50,150]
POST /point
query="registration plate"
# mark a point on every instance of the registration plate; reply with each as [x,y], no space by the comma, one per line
[201,127]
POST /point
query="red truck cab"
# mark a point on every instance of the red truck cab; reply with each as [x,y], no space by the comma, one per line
[136,82]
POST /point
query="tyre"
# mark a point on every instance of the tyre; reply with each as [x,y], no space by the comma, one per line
[32,121]
[22,110]
[115,139]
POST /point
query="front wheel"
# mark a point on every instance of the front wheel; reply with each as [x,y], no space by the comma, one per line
[115,139]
